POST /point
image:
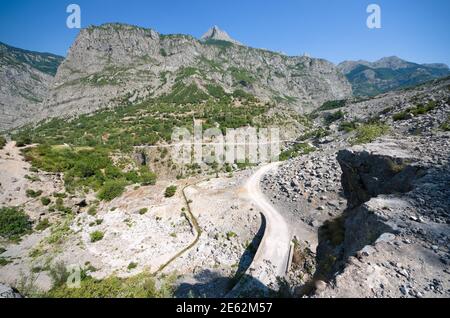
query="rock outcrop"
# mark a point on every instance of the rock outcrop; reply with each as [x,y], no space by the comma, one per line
[8,292]
[374,169]
[116,64]
[383,229]
[215,33]
[388,230]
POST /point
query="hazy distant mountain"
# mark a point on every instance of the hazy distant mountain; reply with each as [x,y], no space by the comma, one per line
[25,77]
[388,73]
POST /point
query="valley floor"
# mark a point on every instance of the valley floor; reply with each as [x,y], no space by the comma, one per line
[161,240]
[364,215]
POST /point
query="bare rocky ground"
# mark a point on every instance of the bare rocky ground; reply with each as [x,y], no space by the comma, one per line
[231,229]
[147,239]
[383,227]
[367,221]
[397,243]
[307,191]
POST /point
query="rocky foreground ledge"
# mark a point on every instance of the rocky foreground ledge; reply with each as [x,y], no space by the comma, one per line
[393,239]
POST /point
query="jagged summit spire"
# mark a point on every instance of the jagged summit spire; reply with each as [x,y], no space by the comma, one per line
[215,33]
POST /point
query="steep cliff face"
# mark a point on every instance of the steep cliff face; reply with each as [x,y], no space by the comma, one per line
[24,80]
[368,173]
[114,63]
[393,237]
[215,33]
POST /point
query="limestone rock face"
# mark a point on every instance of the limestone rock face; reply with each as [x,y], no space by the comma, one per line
[8,292]
[378,168]
[115,64]
[368,172]
[215,33]
[390,223]
[25,77]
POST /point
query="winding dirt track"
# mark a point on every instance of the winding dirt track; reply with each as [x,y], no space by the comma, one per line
[271,258]
[274,246]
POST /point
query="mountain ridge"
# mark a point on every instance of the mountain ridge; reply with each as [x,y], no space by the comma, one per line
[25,77]
[51,61]
[389,73]
[115,63]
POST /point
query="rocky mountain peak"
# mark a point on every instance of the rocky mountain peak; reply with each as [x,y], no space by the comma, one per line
[215,33]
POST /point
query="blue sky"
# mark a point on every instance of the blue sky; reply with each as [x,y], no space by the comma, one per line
[416,30]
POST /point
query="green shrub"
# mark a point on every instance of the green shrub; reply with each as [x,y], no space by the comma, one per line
[147,177]
[13,223]
[415,111]
[35,253]
[132,265]
[332,117]
[82,167]
[92,211]
[315,133]
[296,150]
[96,236]
[170,191]
[33,194]
[348,126]
[332,104]
[60,231]
[64,209]
[215,91]
[230,235]
[132,176]
[45,201]
[59,274]
[185,94]
[111,189]
[59,201]
[59,205]
[241,75]
[4,261]
[445,126]
[140,286]
[2,142]
[241,94]
[367,133]
[400,116]
[386,110]
[219,43]
[143,211]
[42,225]
[23,140]
[32,178]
